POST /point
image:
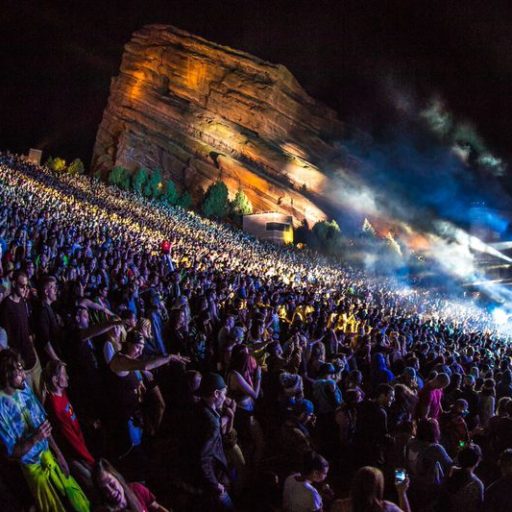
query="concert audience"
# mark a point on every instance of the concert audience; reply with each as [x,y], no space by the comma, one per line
[130,331]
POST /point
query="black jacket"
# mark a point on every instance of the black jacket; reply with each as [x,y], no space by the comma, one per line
[371,434]
[209,460]
[46,329]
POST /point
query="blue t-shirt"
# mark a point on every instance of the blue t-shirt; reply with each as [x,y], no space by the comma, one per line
[21,414]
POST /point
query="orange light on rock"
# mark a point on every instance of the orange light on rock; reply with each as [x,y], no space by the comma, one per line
[136,89]
[306,176]
[419,243]
[196,73]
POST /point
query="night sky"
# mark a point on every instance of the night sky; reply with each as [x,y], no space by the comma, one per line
[358,57]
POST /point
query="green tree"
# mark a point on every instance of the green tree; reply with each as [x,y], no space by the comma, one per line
[76,167]
[328,236]
[241,204]
[56,164]
[139,180]
[118,176]
[59,164]
[114,175]
[216,203]
[184,201]
[125,181]
[147,190]
[155,184]
[171,196]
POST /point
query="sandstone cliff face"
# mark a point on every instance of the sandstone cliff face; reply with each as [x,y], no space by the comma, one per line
[200,111]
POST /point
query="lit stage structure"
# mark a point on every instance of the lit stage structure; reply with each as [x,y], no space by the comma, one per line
[34,156]
[271,226]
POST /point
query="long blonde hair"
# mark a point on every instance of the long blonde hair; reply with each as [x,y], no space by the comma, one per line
[144,325]
[103,466]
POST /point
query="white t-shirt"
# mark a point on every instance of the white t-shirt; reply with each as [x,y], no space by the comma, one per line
[300,495]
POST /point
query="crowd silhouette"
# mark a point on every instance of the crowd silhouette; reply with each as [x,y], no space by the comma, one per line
[145,347]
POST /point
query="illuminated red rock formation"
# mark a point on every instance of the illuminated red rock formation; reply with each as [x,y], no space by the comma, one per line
[198,110]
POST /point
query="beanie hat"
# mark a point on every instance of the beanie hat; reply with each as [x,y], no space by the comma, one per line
[302,405]
[211,382]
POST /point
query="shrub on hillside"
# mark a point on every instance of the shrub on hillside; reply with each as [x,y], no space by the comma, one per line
[139,180]
[57,164]
[241,205]
[216,200]
[171,195]
[76,167]
[184,201]
[327,236]
[155,185]
[120,177]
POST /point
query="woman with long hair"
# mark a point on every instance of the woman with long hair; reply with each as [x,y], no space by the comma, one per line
[118,496]
[244,386]
[367,491]
[145,329]
[315,361]
[179,331]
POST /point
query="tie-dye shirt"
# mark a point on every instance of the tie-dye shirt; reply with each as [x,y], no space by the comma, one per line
[21,414]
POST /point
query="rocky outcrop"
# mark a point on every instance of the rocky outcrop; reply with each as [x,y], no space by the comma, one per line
[200,111]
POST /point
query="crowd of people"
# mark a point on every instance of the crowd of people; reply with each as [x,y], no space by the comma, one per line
[144,347]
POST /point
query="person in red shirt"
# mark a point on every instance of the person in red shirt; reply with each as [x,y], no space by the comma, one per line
[62,415]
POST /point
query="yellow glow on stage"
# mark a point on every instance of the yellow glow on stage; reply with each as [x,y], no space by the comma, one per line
[288,236]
